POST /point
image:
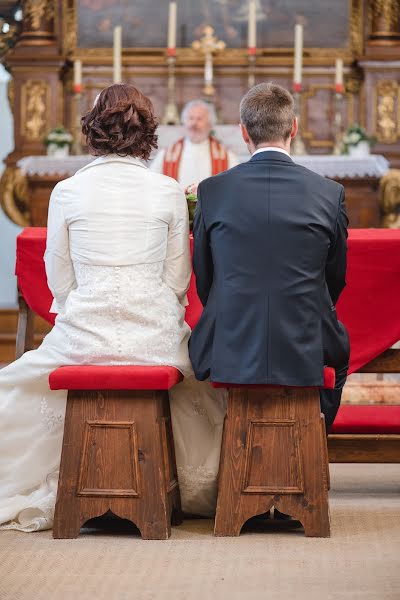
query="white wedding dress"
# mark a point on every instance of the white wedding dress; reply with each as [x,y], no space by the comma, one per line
[118,265]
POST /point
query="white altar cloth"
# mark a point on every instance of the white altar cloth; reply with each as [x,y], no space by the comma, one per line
[335,167]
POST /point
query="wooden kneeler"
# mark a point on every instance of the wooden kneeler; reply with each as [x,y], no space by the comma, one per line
[118,451]
[274,453]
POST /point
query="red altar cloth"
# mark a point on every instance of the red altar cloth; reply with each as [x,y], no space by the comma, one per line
[369,306]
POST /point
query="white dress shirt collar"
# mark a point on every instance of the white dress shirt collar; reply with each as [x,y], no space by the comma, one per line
[270,149]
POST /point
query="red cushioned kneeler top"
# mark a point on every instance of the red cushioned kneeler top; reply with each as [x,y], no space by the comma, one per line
[121,377]
[329,382]
[373,419]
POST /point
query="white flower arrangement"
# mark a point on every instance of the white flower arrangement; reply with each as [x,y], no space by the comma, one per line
[60,137]
[353,136]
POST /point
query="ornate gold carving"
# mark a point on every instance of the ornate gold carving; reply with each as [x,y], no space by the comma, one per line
[36,10]
[11,94]
[69,26]
[14,197]
[384,17]
[387,96]
[389,195]
[356,27]
[35,101]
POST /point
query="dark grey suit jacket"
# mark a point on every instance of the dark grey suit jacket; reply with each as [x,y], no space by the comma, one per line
[270,263]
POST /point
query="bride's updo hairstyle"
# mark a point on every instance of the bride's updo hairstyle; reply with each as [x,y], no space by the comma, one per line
[121,122]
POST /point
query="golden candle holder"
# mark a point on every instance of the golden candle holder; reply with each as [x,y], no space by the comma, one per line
[337,121]
[208,45]
[251,60]
[171,113]
[298,147]
[77,145]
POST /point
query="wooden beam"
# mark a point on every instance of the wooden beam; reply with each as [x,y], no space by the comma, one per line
[387,362]
[364,448]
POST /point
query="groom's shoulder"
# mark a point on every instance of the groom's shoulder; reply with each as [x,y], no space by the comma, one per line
[319,181]
[222,178]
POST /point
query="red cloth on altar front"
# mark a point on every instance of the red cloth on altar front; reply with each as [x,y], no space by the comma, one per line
[369,305]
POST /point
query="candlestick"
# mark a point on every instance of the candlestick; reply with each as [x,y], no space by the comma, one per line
[171,113]
[77,76]
[297,147]
[117,49]
[172,26]
[298,53]
[252,31]
[339,88]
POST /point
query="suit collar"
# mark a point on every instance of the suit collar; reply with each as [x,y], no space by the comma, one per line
[271,155]
[108,158]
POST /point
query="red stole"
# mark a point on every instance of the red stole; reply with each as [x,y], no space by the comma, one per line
[173,155]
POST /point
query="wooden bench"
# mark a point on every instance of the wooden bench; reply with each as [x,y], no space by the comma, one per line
[118,453]
[354,439]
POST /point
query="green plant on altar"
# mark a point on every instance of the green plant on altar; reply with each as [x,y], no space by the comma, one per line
[59,136]
[191,199]
[354,136]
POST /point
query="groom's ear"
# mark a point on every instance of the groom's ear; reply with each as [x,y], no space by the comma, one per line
[245,134]
[295,128]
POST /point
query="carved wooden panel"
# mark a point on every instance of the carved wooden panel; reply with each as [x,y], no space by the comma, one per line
[265,473]
[109,465]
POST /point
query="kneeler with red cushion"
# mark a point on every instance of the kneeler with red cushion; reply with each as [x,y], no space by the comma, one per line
[118,451]
[274,453]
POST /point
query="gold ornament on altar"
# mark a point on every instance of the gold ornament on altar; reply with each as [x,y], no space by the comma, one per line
[208,45]
[36,10]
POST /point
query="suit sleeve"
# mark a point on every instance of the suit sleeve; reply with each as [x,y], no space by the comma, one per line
[335,270]
[202,257]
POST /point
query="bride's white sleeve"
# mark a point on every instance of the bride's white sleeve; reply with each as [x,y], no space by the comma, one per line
[59,268]
[177,266]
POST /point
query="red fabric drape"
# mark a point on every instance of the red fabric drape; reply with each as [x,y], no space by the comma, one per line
[369,305]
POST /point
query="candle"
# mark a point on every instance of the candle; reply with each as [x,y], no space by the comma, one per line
[339,76]
[172,28]
[77,76]
[117,54]
[298,56]
[252,31]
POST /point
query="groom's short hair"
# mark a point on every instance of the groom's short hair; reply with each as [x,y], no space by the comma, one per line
[267,112]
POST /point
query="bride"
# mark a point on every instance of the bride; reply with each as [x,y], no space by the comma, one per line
[118,265]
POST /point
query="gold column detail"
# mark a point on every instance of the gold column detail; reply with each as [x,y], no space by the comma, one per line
[69,31]
[384,18]
[38,22]
[35,102]
[387,106]
[14,196]
[389,195]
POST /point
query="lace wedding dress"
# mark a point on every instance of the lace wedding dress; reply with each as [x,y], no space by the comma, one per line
[118,265]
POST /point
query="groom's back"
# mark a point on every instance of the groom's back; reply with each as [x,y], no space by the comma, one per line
[270,225]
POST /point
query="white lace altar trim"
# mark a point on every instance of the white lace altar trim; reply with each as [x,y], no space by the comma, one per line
[341,167]
[335,167]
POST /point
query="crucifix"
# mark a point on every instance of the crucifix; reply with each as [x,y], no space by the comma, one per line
[208,45]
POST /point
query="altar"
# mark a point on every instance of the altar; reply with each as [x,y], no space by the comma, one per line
[359,175]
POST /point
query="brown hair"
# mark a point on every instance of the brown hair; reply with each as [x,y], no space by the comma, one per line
[267,112]
[121,122]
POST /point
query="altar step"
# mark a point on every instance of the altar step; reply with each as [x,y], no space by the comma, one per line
[8,330]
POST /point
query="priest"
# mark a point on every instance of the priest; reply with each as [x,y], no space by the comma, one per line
[198,155]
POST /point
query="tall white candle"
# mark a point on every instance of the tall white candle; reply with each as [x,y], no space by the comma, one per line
[78,72]
[117,47]
[252,32]
[298,52]
[172,25]
[339,72]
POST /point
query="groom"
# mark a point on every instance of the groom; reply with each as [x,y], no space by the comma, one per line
[270,262]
